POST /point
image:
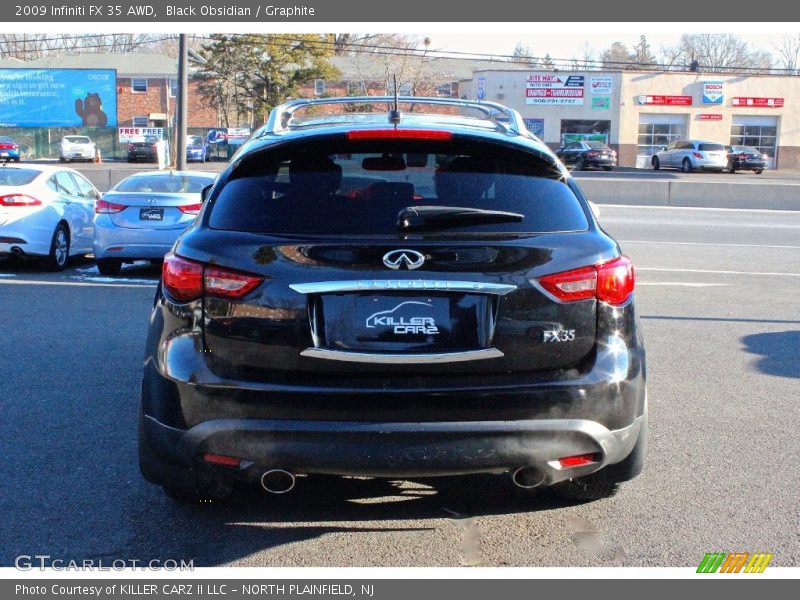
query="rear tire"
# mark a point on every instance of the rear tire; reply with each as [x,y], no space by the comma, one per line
[109,266]
[686,166]
[580,165]
[607,168]
[731,168]
[59,249]
[656,163]
[759,171]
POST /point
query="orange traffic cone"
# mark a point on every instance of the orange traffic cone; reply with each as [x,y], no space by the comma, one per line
[97,157]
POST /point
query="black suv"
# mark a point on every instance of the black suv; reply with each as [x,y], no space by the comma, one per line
[393,295]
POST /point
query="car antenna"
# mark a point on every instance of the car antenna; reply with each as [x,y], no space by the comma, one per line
[394,114]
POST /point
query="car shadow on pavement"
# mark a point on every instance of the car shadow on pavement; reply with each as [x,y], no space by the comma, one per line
[778,352]
[214,534]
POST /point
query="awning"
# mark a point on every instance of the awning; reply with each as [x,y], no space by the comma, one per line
[158,116]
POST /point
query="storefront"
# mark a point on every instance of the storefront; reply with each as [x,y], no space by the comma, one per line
[657,131]
[761,132]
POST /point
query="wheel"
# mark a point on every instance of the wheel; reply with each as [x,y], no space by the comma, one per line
[61,159]
[607,168]
[731,167]
[656,163]
[59,249]
[759,171]
[579,164]
[605,482]
[109,266]
[686,166]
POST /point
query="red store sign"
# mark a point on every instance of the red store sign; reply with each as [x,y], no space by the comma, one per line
[759,102]
[710,117]
[666,100]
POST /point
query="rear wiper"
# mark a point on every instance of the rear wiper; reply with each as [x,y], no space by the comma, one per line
[418,218]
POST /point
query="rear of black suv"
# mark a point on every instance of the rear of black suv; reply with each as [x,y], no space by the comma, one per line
[358,297]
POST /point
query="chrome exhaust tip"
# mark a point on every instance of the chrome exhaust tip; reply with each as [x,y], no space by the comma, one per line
[528,478]
[277,481]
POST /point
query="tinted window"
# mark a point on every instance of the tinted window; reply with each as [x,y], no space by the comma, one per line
[711,147]
[194,140]
[596,145]
[171,184]
[361,193]
[78,139]
[11,177]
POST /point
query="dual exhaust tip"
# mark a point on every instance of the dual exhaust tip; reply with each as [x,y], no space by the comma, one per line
[280,481]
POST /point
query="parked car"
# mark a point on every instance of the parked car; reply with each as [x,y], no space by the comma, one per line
[76,147]
[146,149]
[142,216]
[746,158]
[9,149]
[587,154]
[46,212]
[458,310]
[691,155]
[196,148]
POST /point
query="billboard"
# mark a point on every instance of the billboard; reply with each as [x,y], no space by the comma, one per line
[233,136]
[58,98]
[130,134]
[563,90]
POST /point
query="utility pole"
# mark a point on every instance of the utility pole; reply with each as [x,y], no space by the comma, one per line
[183,104]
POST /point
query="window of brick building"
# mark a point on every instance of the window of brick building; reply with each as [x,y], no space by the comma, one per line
[140,121]
[319,87]
[173,88]
[139,85]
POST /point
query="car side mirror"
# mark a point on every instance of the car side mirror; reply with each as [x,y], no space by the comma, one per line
[204,192]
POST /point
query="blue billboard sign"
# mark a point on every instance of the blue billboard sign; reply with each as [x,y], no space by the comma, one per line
[58,98]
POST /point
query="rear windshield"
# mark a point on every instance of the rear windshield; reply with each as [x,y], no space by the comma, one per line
[596,145]
[711,147]
[78,139]
[362,192]
[194,140]
[12,177]
[171,184]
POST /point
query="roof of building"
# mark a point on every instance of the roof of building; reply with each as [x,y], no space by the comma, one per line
[358,67]
[137,64]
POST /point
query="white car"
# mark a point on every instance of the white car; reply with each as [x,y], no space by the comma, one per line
[76,147]
[46,212]
[691,155]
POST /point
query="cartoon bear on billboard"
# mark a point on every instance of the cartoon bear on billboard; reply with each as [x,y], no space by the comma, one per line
[91,111]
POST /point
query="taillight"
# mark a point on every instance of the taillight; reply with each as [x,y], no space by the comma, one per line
[131,146]
[182,279]
[592,154]
[611,282]
[229,284]
[697,155]
[399,134]
[192,209]
[19,200]
[102,207]
[743,155]
[186,280]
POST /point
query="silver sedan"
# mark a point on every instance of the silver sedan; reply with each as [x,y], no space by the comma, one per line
[143,215]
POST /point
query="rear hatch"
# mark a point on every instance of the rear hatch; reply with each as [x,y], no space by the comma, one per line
[713,152]
[375,256]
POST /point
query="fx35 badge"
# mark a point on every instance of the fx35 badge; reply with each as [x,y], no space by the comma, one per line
[558,335]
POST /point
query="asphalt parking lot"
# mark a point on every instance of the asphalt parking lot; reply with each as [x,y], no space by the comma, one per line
[717,293]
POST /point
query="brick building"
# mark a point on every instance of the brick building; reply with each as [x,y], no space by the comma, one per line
[146,86]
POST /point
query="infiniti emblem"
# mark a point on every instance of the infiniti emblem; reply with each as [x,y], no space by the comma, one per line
[397,258]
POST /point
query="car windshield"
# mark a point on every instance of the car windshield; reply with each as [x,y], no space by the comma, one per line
[77,139]
[4,139]
[747,149]
[359,191]
[194,140]
[14,177]
[168,184]
[711,147]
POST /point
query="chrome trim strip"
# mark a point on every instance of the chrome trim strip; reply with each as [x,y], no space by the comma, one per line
[401,359]
[376,285]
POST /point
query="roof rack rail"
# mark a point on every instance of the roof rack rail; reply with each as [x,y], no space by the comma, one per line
[281,115]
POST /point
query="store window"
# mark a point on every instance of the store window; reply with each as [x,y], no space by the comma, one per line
[763,137]
[140,121]
[139,85]
[576,130]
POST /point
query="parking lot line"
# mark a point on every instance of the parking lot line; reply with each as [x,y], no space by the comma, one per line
[713,272]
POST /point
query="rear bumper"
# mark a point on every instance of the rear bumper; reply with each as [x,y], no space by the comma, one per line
[111,241]
[395,449]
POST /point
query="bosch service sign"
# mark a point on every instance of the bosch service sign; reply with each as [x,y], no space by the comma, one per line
[713,92]
[547,89]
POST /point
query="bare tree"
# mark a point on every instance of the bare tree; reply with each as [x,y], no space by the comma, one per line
[788,49]
[616,56]
[716,52]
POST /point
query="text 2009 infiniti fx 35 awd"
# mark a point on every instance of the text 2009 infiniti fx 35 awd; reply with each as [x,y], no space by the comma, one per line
[394,295]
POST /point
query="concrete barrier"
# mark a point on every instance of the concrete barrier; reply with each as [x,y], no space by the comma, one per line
[706,194]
